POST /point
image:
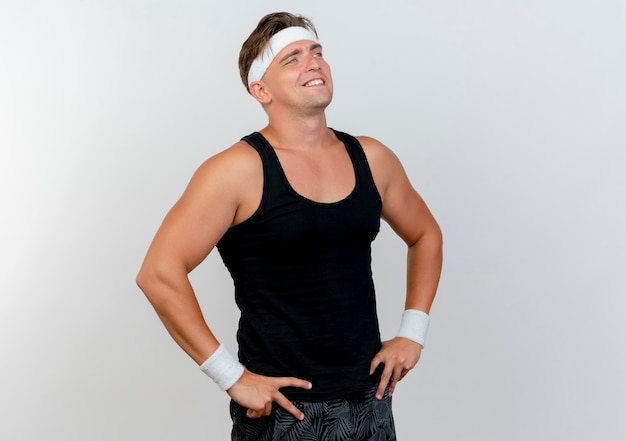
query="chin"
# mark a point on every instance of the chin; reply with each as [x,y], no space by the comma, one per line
[322,101]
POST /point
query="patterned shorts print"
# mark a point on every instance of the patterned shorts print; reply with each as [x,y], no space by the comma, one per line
[358,418]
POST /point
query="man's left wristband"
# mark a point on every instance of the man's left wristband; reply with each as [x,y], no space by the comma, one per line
[414,326]
[222,368]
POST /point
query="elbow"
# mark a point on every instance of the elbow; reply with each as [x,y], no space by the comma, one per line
[142,280]
[437,240]
[146,275]
[432,241]
[431,237]
[149,281]
[160,282]
[438,236]
[145,280]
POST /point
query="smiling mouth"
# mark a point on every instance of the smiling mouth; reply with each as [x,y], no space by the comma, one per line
[317,82]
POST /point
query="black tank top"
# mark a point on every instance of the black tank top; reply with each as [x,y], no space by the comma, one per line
[303,281]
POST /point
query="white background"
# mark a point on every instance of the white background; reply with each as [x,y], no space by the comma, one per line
[509,116]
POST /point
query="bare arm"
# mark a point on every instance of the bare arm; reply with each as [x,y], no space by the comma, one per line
[410,218]
[187,235]
[224,191]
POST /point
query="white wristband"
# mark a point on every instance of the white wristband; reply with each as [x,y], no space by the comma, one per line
[414,325]
[222,368]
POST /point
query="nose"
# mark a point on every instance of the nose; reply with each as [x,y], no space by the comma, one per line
[313,63]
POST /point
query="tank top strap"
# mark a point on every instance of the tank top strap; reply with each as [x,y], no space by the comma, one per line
[258,142]
[363,173]
[272,183]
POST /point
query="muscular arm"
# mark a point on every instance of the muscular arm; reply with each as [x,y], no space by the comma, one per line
[223,192]
[189,232]
[410,218]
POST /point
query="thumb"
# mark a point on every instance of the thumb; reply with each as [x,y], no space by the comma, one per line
[253,413]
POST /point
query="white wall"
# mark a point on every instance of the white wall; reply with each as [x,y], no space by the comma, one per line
[510,118]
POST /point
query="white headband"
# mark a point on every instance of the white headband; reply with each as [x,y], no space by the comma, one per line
[277,43]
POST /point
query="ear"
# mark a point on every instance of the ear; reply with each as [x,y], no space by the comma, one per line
[260,93]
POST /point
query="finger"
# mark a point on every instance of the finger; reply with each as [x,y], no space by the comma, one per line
[385,378]
[404,372]
[376,361]
[381,389]
[393,381]
[283,402]
[290,382]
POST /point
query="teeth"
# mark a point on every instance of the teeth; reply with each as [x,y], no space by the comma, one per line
[314,83]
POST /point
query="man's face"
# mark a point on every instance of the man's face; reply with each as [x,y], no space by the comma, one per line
[299,76]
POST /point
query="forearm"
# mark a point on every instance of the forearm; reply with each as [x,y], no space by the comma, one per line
[424,261]
[174,301]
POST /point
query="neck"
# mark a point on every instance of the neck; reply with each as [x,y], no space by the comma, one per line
[298,132]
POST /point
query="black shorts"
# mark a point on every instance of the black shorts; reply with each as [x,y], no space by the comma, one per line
[360,417]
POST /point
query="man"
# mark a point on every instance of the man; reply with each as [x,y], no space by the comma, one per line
[292,210]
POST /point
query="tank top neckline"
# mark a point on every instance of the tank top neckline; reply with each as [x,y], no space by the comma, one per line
[279,167]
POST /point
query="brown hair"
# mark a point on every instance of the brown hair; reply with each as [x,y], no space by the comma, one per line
[267,27]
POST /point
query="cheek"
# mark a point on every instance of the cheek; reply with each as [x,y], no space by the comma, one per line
[327,70]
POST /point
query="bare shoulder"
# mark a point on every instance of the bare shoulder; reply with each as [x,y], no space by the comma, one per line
[383,162]
[374,147]
[403,208]
[231,182]
[237,161]
[229,171]
[380,157]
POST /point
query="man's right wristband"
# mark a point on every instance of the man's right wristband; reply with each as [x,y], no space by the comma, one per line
[222,368]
